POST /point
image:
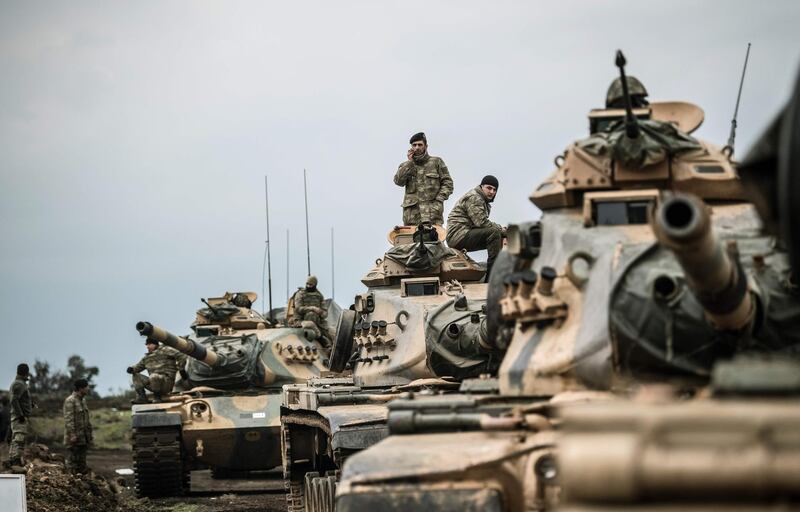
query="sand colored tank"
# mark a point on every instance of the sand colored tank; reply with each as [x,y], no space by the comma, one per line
[228,416]
[420,325]
[648,266]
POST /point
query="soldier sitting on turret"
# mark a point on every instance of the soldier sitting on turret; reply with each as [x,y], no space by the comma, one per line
[468,225]
[309,311]
[161,363]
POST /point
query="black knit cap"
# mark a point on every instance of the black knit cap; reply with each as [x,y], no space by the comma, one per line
[80,384]
[147,341]
[23,369]
[490,180]
[418,136]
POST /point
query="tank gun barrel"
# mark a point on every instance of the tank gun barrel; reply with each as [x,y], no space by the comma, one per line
[186,346]
[682,224]
[631,126]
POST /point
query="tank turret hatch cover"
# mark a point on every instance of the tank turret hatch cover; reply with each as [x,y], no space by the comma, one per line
[685,116]
[401,235]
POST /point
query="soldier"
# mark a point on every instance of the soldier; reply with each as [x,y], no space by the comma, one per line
[5,423]
[77,427]
[615,97]
[468,225]
[161,363]
[21,409]
[310,312]
[427,182]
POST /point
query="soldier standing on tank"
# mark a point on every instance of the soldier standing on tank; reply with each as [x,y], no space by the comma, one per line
[21,408]
[468,225]
[161,363]
[310,312]
[77,427]
[427,182]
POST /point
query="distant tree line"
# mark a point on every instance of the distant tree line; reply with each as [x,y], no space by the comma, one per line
[45,381]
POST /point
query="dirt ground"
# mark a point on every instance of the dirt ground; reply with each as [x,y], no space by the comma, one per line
[262,493]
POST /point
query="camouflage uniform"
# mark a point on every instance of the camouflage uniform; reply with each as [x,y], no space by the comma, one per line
[469,227]
[428,185]
[77,426]
[21,409]
[310,312]
[162,364]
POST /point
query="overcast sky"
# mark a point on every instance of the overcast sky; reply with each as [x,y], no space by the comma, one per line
[134,136]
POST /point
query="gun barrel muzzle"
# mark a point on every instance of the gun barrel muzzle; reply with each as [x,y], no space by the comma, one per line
[682,224]
[188,347]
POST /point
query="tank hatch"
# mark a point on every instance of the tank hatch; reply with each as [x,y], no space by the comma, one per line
[419,252]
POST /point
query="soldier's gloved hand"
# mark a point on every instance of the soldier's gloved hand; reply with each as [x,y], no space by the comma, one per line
[184,375]
[130,370]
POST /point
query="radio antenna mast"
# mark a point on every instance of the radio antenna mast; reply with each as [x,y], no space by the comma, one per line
[333,274]
[732,136]
[305,194]
[267,258]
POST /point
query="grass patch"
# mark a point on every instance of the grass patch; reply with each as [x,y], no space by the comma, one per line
[112,429]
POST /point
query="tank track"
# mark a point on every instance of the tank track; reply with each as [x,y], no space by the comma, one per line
[158,462]
[312,493]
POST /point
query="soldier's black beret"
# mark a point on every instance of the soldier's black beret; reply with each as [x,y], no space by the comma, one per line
[23,369]
[418,136]
[490,180]
[147,341]
[80,384]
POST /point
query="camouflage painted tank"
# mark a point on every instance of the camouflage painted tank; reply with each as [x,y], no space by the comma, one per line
[420,325]
[648,265]
[228,417]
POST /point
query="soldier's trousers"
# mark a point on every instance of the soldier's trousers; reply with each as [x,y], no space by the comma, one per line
[19,433]
[478,239]
[416,214]
[158,383]
[76,458]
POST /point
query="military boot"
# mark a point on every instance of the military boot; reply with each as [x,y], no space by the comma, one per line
[141,398]
[157,397]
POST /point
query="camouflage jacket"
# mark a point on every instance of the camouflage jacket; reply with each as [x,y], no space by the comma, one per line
[309,302]
[76,420]
[21,403]
[428,185]
[164,360]
[470,212]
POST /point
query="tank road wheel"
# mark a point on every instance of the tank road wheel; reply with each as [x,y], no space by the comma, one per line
[158,462]
[342,347]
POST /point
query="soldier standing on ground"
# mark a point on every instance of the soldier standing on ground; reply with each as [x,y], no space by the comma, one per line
[468,225]
[161,363]
[310,312]
[5,422]
[428,184]
[21,409]
[77,427]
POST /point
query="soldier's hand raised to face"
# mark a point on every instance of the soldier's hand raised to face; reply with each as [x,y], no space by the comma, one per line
[411,154]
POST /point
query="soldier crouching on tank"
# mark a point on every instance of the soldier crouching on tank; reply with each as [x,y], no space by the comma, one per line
[161,363]
[21,410]
[77,427]
[310,312]
[468,225]
[428,184]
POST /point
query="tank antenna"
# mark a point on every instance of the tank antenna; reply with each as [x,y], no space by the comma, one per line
[287,264]
[333,274]
[631,126]
[732,136]
[267,258]
[305,194]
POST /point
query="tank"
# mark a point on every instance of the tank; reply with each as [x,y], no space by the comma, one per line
[648,268]
[227,416]
[420,326]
